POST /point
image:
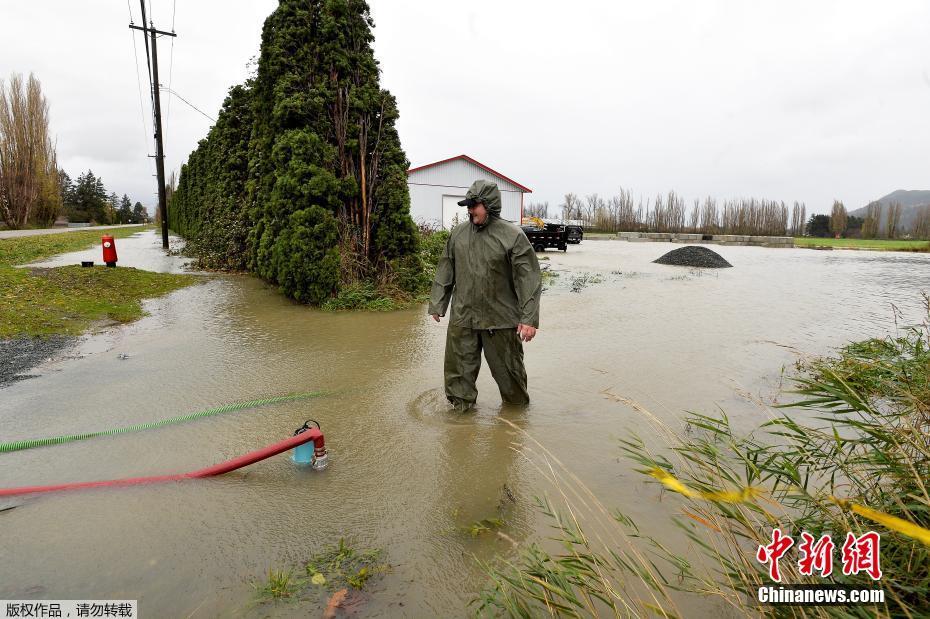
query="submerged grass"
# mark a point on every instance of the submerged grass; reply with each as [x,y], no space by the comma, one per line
[329,577]
[854,456]
[66,300]
[280,585]
[342,566]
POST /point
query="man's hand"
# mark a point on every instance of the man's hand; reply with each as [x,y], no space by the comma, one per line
[526,332]
[435,317]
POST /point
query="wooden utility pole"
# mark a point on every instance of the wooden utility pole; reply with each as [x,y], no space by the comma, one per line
[159,147]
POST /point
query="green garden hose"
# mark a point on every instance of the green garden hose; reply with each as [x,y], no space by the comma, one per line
[238,406]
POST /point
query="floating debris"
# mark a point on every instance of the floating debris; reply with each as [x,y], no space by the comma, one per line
[548,276]
[694,256]
[580,282]
[509,494]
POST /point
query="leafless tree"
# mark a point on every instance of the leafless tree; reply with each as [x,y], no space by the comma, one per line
[593,204]
[571,207]
[628,218]
[838,219]
[922,223]
[29,190]
[710,219]
[893,219]
[798,219]
[536,209]
[694,216]
[873,215]
[607,217]
[669,213]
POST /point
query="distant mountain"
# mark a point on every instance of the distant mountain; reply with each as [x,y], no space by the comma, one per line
[911,200]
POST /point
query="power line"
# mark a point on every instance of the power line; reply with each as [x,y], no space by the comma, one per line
[189,103]
[145,129]
[135,53]
[148,56]
[174,7]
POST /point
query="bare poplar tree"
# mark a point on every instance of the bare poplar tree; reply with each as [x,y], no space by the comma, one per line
[922,223]
[669,213]
[893,219]
[571,207]
[536,209]
[873,215]
[28,166]
[627,216]
[838,219]
[710,218]
[694,216]
[592,204]
[797,220]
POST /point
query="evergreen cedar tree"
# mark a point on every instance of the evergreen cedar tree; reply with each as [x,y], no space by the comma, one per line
[85,199]
[209,205]
[819,225]
[277,187]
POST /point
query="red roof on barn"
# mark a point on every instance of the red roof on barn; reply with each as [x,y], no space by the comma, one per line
[523,188]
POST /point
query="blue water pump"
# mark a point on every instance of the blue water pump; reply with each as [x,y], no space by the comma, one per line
[304,454]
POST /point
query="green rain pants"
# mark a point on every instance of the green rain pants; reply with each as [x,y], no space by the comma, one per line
[504,353]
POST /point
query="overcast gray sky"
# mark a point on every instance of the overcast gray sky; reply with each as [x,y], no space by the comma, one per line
[783,100]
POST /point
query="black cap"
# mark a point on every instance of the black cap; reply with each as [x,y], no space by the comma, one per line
[468,202]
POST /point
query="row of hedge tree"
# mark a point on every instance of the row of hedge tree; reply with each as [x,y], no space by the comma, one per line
[302,180]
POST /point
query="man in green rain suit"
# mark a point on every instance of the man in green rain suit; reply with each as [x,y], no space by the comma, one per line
[490,272]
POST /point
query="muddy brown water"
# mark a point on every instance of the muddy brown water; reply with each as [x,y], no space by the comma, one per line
[406,475]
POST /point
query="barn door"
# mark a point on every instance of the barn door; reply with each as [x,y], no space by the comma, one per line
[452,213]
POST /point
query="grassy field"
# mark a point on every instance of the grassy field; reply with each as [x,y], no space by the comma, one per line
[871,244]
[66,300]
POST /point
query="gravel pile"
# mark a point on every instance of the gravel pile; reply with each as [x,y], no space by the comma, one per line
[694,256]
[21,354]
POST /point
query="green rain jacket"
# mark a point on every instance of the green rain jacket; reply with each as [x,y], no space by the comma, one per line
[490,272]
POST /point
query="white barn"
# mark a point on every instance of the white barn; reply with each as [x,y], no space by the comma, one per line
[435,189]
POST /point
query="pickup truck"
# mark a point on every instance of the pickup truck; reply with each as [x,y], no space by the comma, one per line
[552,235]
[575,233]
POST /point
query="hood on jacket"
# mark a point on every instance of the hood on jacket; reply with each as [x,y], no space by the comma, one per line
[487,193]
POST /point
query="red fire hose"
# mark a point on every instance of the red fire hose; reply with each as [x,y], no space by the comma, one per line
[311,434]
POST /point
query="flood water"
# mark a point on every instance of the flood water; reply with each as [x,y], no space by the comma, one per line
[405,474]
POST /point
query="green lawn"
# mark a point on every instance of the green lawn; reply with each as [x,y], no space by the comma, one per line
[873,244]
[68,299]
[27,249]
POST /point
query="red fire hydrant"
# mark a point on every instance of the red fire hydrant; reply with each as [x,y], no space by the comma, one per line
[109,250]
